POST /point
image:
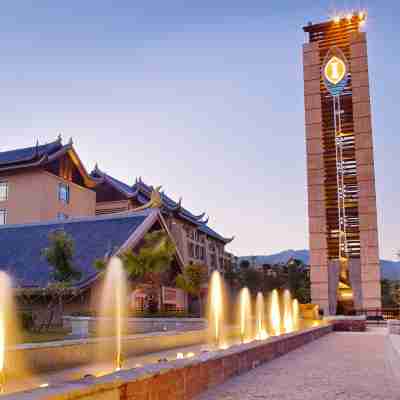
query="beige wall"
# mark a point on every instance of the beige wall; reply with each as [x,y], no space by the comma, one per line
[315,169]
[370,268]
[33,197]
[177,228]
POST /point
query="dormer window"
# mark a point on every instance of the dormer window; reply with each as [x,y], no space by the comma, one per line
[63,192]
[3,191]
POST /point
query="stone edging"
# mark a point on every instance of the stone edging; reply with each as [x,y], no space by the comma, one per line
[178,379]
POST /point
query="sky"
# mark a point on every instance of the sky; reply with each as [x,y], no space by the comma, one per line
[202,97]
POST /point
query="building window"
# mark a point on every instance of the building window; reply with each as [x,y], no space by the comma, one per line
[3,217]
[3,191]
[202,253]
[191,250]
[62,216]
[213,261]
[63,192]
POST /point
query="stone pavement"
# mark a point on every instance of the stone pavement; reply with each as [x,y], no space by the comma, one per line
[341,366]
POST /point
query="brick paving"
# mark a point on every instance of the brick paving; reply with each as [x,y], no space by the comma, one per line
[340,366]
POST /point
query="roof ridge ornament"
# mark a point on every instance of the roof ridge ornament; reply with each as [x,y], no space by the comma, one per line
[154,202]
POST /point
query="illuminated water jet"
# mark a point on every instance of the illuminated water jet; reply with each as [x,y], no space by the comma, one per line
[275,313]
[113,304]
[5,314]
[261,332]
[216,307]
[287,312]
[245,314]
[2,349]
[296,313]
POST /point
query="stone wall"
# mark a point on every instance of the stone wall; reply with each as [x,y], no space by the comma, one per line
[348,324]
[181,379]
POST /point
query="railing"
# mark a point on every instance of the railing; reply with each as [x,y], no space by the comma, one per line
[379,315]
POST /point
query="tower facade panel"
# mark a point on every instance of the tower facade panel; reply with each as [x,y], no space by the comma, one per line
[340,168]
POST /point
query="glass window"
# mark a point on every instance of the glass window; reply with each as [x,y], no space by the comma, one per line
[191,250]
[3,191]
[62,216]
[3,217]
[202,253]
[63,192]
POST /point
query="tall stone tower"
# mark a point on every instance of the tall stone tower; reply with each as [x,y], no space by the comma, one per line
[345,272]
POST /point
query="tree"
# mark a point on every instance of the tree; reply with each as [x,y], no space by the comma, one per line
[252,279]
[387,293]
[297,281]
[59,255]
[153,258]
[191,279]
[232,277]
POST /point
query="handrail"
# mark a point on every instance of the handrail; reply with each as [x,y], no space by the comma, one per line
[379,314]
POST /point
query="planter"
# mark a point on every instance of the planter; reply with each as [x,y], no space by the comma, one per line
[81,326]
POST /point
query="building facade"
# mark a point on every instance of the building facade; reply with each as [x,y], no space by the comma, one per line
[197,242]
[49,183]
[94,238]
[42,183]
[345,272]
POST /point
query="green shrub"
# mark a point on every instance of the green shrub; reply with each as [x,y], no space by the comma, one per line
[27,320]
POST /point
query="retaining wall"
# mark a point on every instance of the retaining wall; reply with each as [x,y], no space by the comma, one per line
[180,379]
[54,356]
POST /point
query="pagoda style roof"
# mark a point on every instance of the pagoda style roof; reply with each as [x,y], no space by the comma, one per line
[94,238]
[41,155]
[35,155]
[142,192]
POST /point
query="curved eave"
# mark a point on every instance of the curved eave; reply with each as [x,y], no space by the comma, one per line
[41,161]
[29,160]
[89,180]
[228,240]
[103,177]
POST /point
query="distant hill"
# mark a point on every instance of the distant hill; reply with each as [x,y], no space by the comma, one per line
[389,269]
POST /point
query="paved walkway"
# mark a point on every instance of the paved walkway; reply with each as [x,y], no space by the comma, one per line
[340,366]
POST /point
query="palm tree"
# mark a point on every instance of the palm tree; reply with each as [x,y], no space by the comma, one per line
[191,279]
[153,258]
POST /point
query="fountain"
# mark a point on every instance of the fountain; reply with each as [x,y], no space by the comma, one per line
[113,305]
[275,313]
[216,308]
[245,314]
[287,312]
[296,313]
[3,289]
[9,334]
[261,332]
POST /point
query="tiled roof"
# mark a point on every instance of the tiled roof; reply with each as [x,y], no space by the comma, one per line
[142,192]
[22,245]
[29,154]
[210,232]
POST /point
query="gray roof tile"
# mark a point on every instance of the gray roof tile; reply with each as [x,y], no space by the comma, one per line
[21,245]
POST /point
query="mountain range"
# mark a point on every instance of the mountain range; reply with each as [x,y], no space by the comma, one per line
[389,269]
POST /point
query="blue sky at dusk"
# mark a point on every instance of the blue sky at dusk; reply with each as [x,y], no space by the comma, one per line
[203,97]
